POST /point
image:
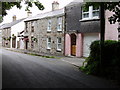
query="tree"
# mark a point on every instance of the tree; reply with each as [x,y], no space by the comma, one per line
[8,5]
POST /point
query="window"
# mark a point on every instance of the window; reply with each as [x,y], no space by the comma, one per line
[49,26]
[85,13]
[32,26]
[59,43]
[26,26]
[92,12]
[48,43]
[95,12]
[32,42]
[59,25]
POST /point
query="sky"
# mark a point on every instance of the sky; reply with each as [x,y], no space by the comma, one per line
[21,13]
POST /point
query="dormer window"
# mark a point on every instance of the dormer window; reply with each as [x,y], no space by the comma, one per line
[91,13]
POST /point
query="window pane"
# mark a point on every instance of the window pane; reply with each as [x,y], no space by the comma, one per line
[59,27]
[86,15]
[59,46]
[49,45]
[49,39]
[49,25]
[95,13]
[59,40]
[85,9]
[95,7]
[59,20]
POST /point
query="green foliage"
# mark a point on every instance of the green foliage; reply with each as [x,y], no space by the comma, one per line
[111,64]
[8,38]
[48,56]
[1,19]
[86,6]
[9,5]
[41,55]
[3,38]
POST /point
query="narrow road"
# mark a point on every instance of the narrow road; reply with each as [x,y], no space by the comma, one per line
[26,71]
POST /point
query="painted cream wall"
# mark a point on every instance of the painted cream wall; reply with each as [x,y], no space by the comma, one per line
[15,29]
[111,32]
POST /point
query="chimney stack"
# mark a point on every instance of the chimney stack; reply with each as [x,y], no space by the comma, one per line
[55,5]
[29,13]
[14,18]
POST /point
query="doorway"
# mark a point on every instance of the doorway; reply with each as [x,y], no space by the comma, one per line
[26,44]
[73,44]
[13,42]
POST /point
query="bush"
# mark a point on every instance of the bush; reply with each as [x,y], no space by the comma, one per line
[111,60]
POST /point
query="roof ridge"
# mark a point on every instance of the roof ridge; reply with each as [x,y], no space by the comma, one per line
[50,11]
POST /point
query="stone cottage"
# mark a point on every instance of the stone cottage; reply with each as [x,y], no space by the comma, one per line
[6,35]
[44,32]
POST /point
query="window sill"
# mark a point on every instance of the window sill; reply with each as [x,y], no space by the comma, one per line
[59,30]
[48,30]
[59,50]
[89,19]
[48,48]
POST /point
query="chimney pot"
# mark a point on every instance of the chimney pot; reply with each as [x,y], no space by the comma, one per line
[55,5]
[14,18]
[29,13]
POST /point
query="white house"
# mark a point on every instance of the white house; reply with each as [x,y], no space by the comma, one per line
[12,31]
[16,40]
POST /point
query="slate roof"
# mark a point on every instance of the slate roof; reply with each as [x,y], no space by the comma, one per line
[47,14]
[74,2]
[8,25]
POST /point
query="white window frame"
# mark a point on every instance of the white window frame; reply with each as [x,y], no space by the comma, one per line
[85,13]
[59,49]
[48,43]
[59,23]
[49,26]
[90,14]
[95,11]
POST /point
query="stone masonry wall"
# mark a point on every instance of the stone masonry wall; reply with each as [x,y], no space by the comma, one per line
[43,35]
[40,32]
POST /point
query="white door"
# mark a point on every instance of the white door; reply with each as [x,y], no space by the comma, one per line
[22,45]
[87,40]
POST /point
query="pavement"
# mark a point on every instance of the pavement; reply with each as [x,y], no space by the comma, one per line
[69,59]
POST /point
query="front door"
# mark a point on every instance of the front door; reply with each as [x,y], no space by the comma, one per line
[73,44]
[26,44]
[13,42]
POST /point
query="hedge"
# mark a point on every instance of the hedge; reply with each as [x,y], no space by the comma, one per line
[111,60]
